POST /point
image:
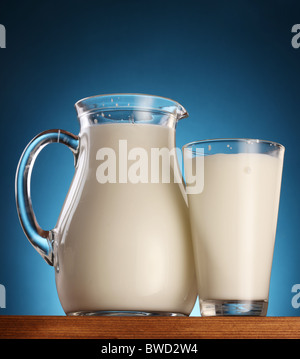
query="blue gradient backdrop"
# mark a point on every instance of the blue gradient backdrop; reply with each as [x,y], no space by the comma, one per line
[231,64]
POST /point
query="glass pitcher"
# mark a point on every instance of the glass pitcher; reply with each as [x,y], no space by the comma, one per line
[122,242]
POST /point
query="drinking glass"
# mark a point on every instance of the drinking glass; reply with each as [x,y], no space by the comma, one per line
[233,215]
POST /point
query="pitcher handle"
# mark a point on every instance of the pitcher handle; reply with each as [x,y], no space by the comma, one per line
[39,238]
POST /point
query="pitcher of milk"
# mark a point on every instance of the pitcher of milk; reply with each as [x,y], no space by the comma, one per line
[122,242]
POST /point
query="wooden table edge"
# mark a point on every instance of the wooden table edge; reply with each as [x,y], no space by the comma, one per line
[63,327]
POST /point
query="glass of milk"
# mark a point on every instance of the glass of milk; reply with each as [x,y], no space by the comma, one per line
[233,214]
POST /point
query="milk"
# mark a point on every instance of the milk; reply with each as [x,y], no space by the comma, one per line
[234,223]
[123,246]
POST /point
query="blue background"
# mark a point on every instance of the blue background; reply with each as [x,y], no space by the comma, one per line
[231,64]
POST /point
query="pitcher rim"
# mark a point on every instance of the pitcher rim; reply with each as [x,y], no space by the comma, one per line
[181,112]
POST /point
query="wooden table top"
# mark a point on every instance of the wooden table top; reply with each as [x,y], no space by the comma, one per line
[60,327]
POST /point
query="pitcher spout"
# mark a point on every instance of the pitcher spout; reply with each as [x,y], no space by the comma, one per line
[181,112]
